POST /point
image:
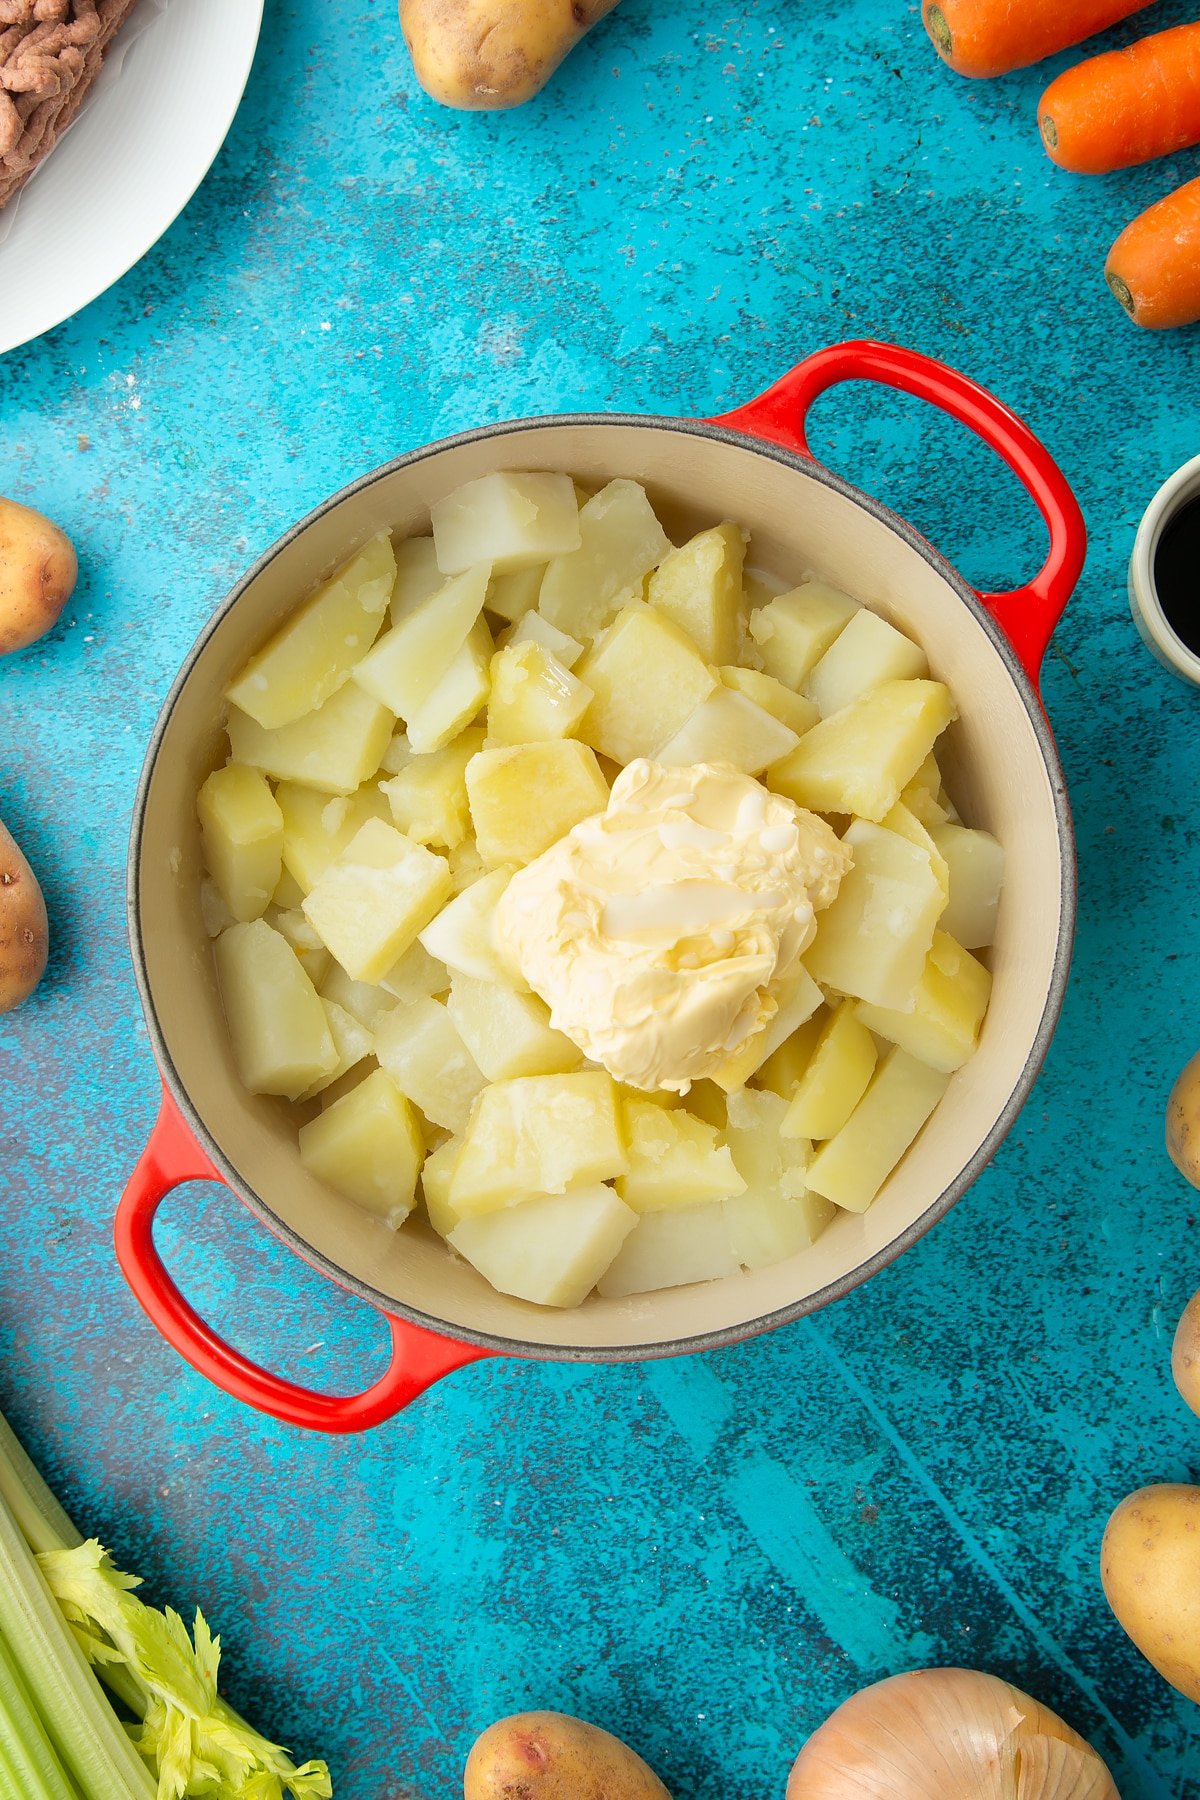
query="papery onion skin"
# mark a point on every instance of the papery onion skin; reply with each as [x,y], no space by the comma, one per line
[951,1733]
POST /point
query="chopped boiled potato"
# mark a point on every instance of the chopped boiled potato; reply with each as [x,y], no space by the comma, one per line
[241,828]
[777,1215]
[533,629]
[796,1001]
[288,892]
[671,1249]
[459,696]
[794,630]
[906,824]
[620,542]
[437,1173]
[428,797]
[705,1100]
[315,964]
[466,864]
[375,897]
[842,1063]
[728,728]
[421,1050]
[415,975]
[539,1134]
[417,576]
[858,760]
[407,664]
[318,826]
[551,1250]
[461,935]
[533,697]
[648,678]
[352,1041]
[761,585]
[368,1146]
[699,586]
[277,1025]
[214,913]
[509,520]
[951,998]
[674,1160]
[782,1070]
[524,797]
[975,864]
[293,925]
[873,941]
[790,708]
[863,656]
[852,1167]
[507,1033]
[311,656]
[363,1000]
[513,595]
[334,748]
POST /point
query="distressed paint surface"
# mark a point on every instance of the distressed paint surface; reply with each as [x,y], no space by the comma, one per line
[706,1556]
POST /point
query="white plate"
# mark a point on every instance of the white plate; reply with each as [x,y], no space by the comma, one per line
[128,166]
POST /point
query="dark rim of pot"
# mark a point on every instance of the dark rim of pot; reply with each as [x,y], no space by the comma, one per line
[834,1290]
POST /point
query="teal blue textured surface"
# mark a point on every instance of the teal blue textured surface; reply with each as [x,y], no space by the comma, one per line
[706,1556]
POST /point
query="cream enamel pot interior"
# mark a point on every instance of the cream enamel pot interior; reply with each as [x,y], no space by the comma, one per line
[754,466]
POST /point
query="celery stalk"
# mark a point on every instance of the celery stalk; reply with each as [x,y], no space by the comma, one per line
[44,1524]
[91,1742]
[29,1765]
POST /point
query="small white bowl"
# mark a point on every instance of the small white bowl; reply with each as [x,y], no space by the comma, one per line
[1158,635]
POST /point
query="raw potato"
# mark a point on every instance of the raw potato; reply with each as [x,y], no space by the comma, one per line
[550,1756]
[1185,1354]
[481,56]
[37,576]
[24,928]
[1183,1122]
[1150,1567]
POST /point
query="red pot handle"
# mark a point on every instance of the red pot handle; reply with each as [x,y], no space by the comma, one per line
[1026,615]
[172,1156]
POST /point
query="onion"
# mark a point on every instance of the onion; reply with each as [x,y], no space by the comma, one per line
[949,1733]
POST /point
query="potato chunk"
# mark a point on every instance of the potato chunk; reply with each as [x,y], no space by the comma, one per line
[334,748]
[318,826]
[437,1172]
[863,656]
[310,656]
[428,798]
[461,934]
[858,760]
[526,796]
[674,1160]
[539,1134]
[873,941]
[842,1063]
[421,1050]
[241,827]
[975,866]
[508,520]
[533,697]
[507,1033]
[951,999]
[550,1250]
[406,665]
[277,1025]
[368,1146]
[777,1215]
[791,709]
[648,678]
[417,576]
[699,587]
[852,1167]
[797,1000]
[782,1070]
[363,1000]
[620,542]
[372,901]
[352,1041]
[671,1249]
[794,630]
[415,975]
[513,595]
[728,728]
[533,629]
[458,697]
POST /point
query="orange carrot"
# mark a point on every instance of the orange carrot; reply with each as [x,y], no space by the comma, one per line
[1126,106]
[1154,266]
[990,37]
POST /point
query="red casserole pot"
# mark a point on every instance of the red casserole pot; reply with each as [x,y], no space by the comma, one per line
[753,465]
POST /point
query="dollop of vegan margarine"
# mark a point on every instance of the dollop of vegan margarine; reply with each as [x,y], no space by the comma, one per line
[659,931]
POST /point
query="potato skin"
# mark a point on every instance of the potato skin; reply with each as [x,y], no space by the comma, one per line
[24,930]
[550,1756]
[1185,1354]
[483,55]
[1183,1122]
[37,575]
[1150,1567]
